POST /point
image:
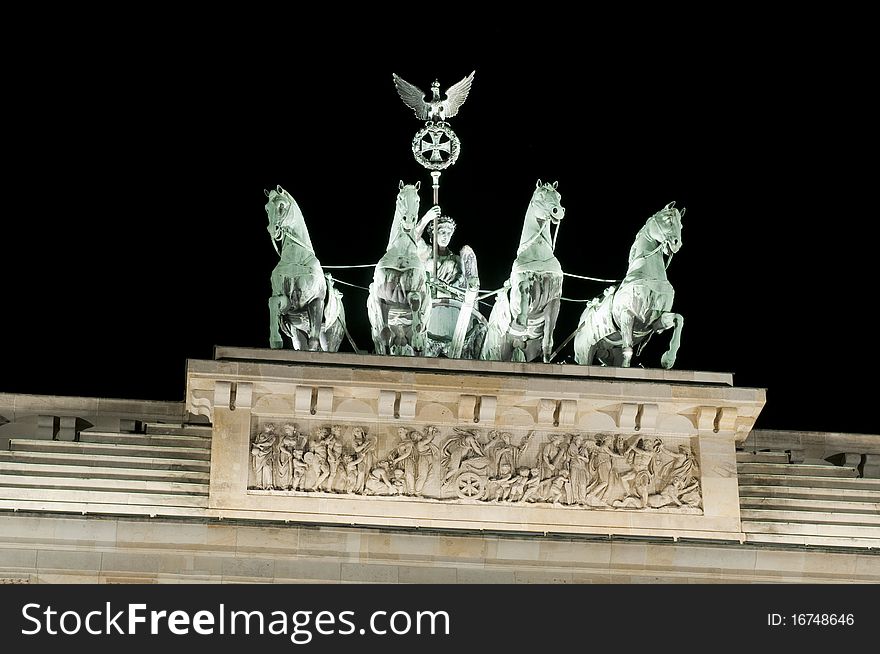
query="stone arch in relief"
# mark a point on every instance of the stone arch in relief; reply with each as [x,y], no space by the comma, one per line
[434,412]
[513,417]
[675,424]
[274,405]
[596,421]
[355,409]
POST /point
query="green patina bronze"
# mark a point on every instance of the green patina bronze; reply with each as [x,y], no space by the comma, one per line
[399,303]
[304,304]
[524,316]
[626,316]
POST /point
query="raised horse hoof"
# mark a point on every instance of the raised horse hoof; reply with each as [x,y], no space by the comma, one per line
[667,360]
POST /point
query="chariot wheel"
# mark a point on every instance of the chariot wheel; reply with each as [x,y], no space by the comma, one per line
[470,486]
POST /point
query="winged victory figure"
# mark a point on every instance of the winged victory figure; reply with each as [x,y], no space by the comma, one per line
[435,108]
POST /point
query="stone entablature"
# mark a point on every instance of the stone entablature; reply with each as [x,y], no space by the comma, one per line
[521,447]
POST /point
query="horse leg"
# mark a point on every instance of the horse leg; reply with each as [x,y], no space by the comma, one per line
[584,353]
[664,322]
[278,304]
[525,301]
[551,312]
[517,350]
[385,335]
[521,297]
[584,347]
[627,321]
[497,338]
[508,348]
[316,316]
[608,354]
[377,310]
[300,342]
[400,342]
[418,327]
[591,354]
[331,336]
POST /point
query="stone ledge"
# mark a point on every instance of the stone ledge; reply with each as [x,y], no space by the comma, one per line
[164,550]
[812,444]
[348,360]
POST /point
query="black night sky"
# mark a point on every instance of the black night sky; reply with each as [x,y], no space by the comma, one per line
[134,230]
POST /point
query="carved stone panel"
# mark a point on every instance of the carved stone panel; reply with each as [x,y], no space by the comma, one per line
[589,471]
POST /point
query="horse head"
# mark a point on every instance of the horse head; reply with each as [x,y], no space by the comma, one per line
[286,219]
[546,201]
[278,207]
[406,211]
[665,228]
[545,208]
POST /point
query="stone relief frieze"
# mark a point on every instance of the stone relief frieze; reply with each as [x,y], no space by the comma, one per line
[578,470]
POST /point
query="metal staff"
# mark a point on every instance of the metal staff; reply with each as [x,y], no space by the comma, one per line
[435,174]
[434,138]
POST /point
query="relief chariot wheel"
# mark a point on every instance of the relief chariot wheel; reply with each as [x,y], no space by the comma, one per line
[470,486]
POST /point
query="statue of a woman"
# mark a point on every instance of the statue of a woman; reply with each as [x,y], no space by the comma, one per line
[456,273]
[263,458]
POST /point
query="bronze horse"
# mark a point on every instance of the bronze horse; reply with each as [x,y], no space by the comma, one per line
[400,301]
[629,314]
[524,316]
[296,306]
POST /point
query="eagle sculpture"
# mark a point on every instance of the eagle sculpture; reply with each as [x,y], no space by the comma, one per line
[435,108]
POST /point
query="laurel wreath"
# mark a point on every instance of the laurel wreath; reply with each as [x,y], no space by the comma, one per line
[454,146]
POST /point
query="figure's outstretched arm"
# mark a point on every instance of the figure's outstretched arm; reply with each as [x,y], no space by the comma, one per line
[430,432]
[427,218]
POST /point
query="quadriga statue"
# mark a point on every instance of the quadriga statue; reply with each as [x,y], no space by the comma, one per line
[399,303]
[304,304]
[626,317]
[524,316]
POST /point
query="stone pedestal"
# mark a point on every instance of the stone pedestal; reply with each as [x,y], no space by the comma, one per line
[435,443]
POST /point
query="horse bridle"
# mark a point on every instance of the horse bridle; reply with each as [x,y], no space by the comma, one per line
[643,232]
[281,232]
[415,222]
[522,248]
